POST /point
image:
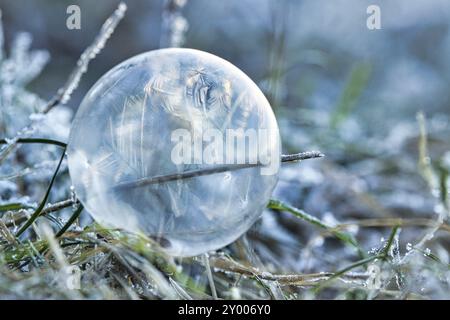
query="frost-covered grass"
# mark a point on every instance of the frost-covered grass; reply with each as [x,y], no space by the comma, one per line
[373,223]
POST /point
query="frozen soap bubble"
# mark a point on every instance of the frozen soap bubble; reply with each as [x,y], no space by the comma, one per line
[169,112]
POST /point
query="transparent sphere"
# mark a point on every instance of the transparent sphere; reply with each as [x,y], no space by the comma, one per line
[145,134]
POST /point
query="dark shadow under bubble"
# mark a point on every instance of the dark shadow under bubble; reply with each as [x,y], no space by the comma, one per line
[163,242]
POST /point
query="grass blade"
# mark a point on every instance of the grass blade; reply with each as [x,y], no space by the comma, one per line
[355,86]
[37,140]
[39,209]
[13,207]
[383,255]
[71,220]
[343,236]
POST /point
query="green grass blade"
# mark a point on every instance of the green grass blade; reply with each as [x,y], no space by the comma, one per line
[343,236]
[358,79]
[390,242]
[344,271]
[13,207]
[39,209]
[382,256]
[37,140]
[71,220]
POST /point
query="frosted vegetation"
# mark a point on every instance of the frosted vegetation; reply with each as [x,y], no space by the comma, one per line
[369,221]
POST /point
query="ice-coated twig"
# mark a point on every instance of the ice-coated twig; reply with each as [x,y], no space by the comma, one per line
[174,25]
[301,156]
[227,265]
[213,170]
[21,216]
[64,93]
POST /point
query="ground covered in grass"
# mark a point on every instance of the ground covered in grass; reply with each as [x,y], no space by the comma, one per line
[368,221]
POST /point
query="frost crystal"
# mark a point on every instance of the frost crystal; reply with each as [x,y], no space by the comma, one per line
[19,107]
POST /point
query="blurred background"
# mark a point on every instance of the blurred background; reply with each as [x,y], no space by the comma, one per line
[303,51]
[360,96]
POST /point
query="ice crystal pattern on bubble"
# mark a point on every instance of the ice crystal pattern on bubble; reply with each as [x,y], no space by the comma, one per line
[122,133]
